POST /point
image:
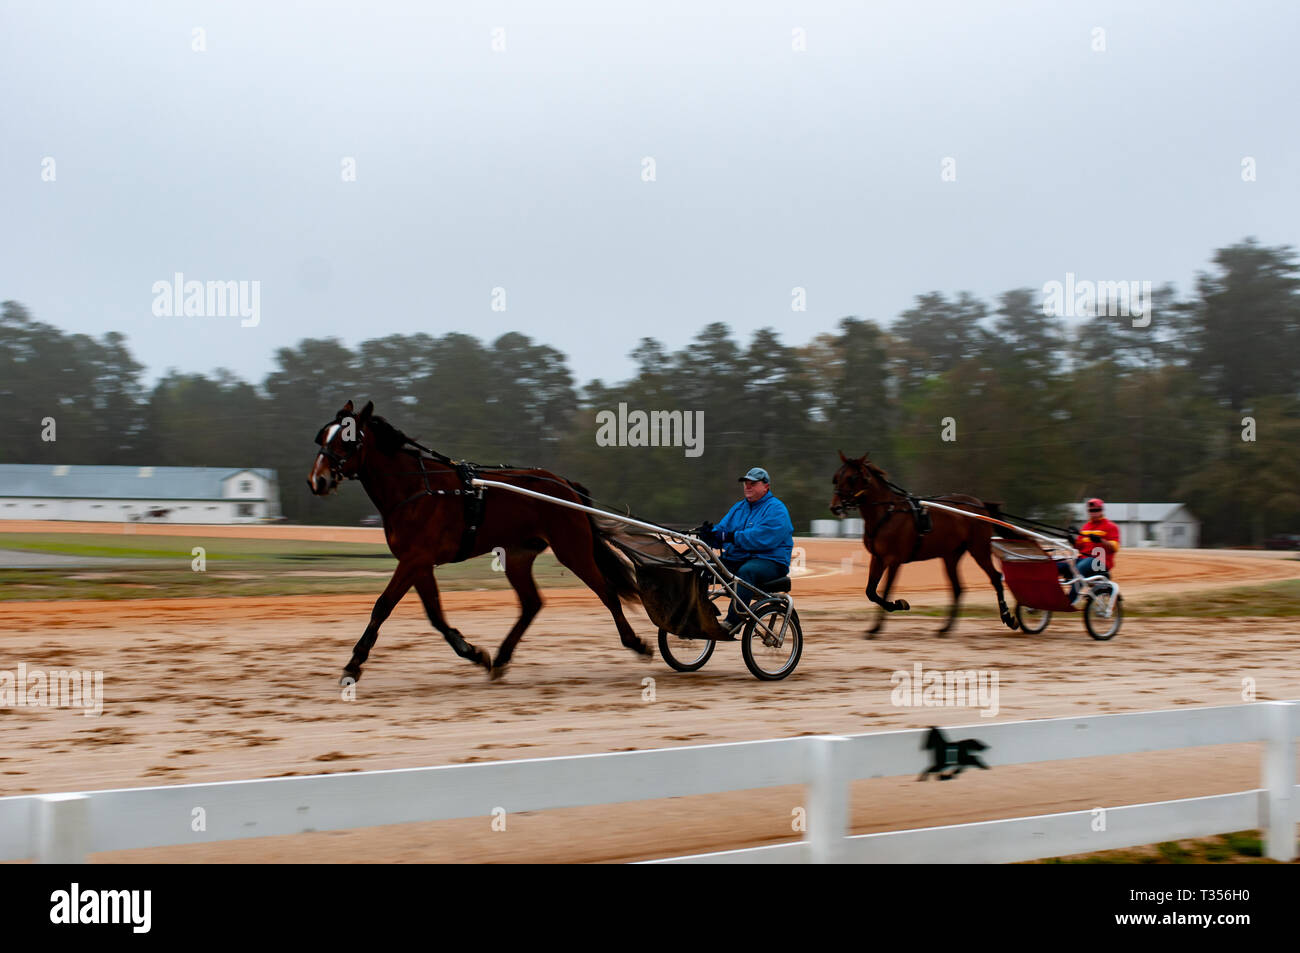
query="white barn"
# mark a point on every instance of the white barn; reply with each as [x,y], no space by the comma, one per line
[147,494]
[1169,525]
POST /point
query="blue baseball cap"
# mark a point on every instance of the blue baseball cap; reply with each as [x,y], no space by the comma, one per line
[757,473]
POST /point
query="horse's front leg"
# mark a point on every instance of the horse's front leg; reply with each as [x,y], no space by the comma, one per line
[878,568]
[427,587]
[890,576]
[403,578]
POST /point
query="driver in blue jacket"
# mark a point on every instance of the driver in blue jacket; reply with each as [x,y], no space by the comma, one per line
[756,537]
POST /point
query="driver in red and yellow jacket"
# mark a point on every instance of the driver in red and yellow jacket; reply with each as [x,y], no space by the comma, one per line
[1097,543]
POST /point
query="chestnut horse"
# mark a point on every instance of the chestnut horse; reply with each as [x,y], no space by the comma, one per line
[432,516]
[892,536]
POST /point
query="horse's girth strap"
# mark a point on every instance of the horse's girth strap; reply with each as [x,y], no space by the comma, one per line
[474,509]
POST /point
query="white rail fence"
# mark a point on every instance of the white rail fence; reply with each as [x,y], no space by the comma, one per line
[66,828]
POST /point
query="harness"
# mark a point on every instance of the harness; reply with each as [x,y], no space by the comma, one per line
[920,514]
[475,505]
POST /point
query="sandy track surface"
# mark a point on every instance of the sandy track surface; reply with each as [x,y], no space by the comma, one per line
[216,689]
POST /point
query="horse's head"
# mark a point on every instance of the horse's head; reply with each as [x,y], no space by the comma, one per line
[854,482]
[342,442]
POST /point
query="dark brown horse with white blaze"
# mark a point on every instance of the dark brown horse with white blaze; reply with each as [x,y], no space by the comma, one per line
[892,537]
[426,507]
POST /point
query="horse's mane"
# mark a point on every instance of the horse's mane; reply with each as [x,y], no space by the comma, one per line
[875,470]
[388,437]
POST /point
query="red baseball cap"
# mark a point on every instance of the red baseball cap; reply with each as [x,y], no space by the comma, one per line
[1094,502]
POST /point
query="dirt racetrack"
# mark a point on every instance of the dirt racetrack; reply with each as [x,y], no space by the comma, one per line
[217,689]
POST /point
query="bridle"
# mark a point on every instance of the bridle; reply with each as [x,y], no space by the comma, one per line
[463,472]
[853,502]
[337,463]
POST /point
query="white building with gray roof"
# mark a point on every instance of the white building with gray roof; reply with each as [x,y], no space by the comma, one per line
[144,494]
[1169,525]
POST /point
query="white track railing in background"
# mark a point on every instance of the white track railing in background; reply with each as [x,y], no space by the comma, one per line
[65,828]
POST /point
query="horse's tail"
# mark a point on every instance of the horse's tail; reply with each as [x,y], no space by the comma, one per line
[618,573]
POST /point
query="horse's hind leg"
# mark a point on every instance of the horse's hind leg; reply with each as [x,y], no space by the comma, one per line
[983,554]
[950,565]
[578,556]
[403,577]
[427,587]
[519,570]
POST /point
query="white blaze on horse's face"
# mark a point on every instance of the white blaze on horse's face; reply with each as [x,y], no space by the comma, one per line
[321,478]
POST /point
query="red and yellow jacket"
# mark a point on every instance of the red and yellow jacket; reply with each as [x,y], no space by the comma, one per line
[1101,534]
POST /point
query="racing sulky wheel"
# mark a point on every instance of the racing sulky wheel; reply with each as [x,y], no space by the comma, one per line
[685,655]
[772,650]
[1032,621]
[1104,611]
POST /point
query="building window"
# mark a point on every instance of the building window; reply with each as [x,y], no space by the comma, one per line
[246,509]
[245,486]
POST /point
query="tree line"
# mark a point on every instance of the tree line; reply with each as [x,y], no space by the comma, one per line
[1196,402]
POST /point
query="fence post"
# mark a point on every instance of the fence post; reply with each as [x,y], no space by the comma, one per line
[61,829]
[828,801]
[1279,780]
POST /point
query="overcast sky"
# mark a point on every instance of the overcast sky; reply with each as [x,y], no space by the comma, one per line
[523,169]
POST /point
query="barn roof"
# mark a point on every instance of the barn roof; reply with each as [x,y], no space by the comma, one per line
[119,483]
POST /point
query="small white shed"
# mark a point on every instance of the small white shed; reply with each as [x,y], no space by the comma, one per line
[1168,525]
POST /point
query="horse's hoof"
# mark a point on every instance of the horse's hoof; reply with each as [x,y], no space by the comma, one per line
[496,672]
[869,634]
[902,605]
[352,674]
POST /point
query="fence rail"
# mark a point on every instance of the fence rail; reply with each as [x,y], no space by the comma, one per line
[65,828]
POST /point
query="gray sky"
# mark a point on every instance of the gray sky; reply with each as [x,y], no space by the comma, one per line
[523,169]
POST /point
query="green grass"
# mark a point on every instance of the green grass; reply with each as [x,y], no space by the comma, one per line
[1242,847]
[160,567]
[178,547]
[1281,599]
[1267,599]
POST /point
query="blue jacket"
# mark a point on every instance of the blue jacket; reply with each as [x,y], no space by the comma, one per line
[761,530]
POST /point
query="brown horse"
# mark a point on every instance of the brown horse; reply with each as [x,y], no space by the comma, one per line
[892,535]
[432,516]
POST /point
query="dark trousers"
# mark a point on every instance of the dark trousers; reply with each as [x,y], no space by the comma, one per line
[757,572]
[1087,566]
